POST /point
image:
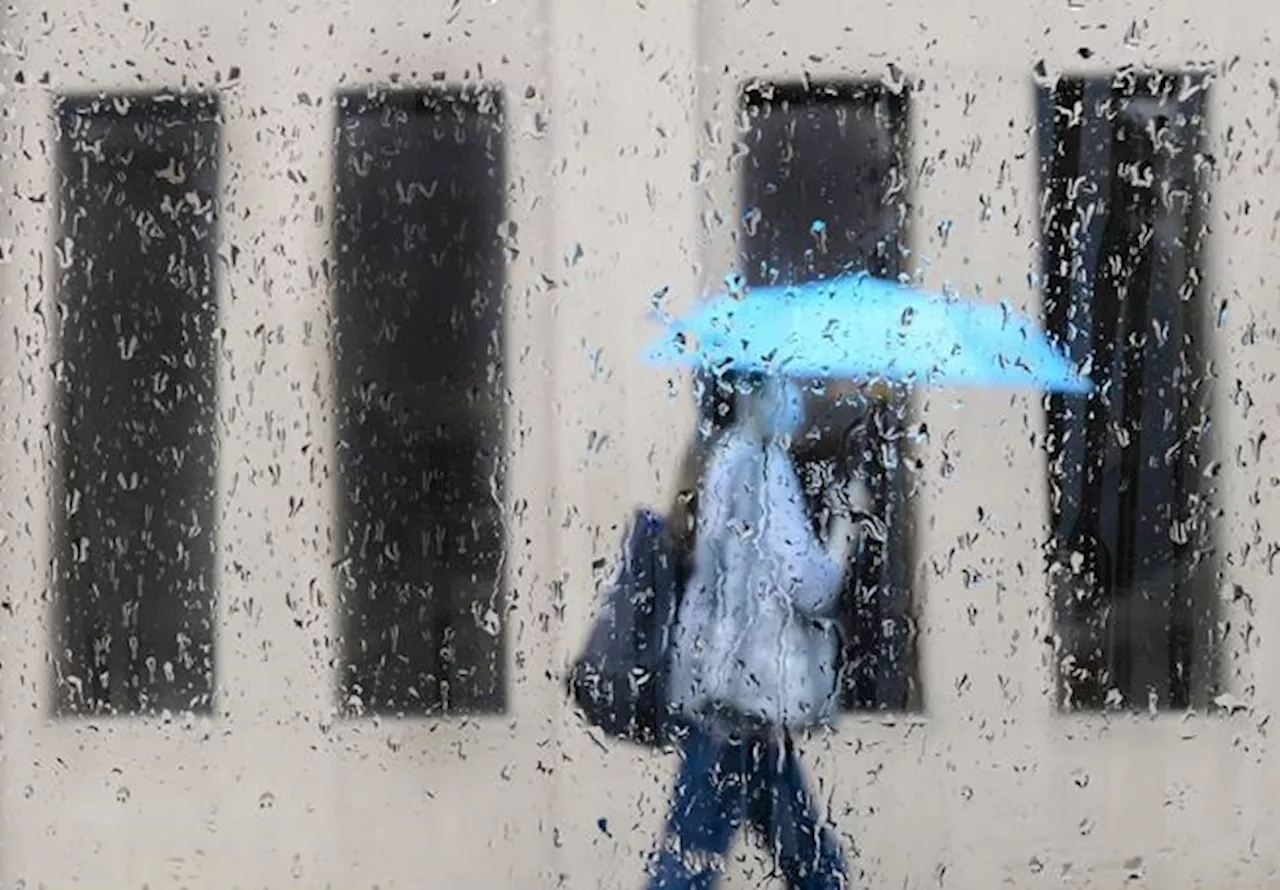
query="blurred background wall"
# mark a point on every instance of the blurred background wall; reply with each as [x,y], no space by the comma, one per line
[323,416]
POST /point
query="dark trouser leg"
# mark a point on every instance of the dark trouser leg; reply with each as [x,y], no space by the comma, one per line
[783,811]
[706,808]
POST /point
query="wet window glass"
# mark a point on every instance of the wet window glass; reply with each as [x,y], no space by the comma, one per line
[1125,171]
[662,445]
[419,271]
[136,389]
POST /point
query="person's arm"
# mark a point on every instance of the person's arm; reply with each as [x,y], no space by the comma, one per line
[843,503]
[842,538]
[812,574]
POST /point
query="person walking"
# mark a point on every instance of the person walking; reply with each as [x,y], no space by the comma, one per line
[755,650]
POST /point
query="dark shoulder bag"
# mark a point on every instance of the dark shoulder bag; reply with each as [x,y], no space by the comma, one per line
[619,681]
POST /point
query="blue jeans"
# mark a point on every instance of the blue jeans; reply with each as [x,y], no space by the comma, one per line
[725,781]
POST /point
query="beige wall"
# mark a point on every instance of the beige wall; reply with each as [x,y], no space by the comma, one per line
[982,790]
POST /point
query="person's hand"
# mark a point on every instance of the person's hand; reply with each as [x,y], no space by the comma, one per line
[842,538]
[849,504]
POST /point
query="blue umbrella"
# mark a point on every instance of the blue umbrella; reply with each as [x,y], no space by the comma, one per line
[856,326]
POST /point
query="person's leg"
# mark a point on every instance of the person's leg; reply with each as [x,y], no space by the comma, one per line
[805,849]
[706,808]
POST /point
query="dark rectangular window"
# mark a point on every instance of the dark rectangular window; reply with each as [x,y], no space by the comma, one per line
[823,191]
[1123,173]
[135,402]
[420,198]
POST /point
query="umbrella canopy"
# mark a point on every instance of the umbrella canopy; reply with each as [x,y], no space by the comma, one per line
[857,326]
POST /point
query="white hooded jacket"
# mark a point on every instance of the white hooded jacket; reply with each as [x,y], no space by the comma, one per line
[754,634]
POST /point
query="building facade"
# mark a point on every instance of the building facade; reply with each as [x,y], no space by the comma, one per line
[462,214]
